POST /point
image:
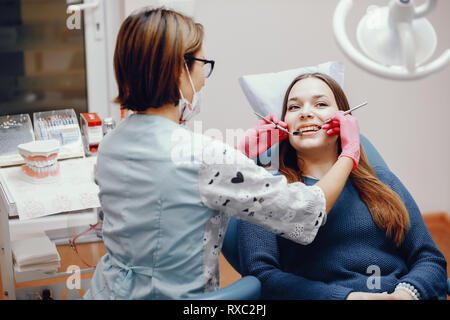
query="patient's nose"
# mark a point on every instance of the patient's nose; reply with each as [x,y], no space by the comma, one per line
[306,112]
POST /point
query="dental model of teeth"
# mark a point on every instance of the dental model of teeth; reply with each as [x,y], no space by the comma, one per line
[41,160]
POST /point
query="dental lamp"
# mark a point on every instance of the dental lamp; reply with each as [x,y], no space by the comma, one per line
[396,40]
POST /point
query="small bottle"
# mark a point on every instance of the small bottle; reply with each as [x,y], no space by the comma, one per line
[108,125]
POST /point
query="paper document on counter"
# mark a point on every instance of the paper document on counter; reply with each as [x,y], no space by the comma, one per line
[74,190]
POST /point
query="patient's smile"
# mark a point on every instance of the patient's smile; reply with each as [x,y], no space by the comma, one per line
[307,130]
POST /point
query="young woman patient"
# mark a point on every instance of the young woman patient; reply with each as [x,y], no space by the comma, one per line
[374,245]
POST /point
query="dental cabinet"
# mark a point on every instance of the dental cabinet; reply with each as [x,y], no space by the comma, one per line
[59,227]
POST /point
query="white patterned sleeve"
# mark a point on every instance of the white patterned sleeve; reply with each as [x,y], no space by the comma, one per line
[240,188]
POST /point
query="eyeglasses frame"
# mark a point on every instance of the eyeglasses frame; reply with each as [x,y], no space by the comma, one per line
[212,62]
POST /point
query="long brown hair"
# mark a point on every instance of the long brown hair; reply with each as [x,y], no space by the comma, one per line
[386,207]
[149,57]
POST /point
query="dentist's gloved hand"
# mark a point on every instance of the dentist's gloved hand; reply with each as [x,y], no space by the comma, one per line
[347,127]
[262,136]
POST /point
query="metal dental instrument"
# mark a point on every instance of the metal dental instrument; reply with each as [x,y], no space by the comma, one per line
[277,125]
[296,133]
[348,111]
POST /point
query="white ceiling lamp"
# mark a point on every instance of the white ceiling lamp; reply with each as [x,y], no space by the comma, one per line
[397,40]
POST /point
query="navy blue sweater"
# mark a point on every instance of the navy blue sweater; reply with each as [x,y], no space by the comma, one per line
[346,255]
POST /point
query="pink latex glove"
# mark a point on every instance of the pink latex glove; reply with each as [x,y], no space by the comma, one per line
[262,136]
[347,127]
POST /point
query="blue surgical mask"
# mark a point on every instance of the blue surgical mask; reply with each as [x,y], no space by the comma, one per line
[189,110]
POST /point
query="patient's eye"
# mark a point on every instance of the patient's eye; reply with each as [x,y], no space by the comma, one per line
[321,105]
[293,107]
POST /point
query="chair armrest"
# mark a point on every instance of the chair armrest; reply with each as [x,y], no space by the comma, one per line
[246,288]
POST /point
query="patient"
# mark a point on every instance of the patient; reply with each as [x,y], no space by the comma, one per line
[374,244]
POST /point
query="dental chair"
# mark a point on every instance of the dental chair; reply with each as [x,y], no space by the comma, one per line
[249,287]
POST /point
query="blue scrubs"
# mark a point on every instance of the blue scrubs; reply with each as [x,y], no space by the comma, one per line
[167,194]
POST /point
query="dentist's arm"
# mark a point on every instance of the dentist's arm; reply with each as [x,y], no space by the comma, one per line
[234,184]
[334,181]
[262,136]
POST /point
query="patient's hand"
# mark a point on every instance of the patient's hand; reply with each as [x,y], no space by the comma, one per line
[397,295]
[400,295]
[367,296]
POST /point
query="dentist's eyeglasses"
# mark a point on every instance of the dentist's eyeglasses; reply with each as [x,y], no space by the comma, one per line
[208,65]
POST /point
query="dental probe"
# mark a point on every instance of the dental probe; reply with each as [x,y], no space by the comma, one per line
[296,133]
[348,111]
[277,125]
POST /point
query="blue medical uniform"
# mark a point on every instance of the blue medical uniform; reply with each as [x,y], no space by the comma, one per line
[167,194]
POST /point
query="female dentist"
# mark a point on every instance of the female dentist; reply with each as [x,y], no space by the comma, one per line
[166,192]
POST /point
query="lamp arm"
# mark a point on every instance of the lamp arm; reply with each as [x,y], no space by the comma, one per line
[425,9]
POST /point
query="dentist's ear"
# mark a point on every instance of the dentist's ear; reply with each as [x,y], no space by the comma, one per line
[183,73]
[184,84]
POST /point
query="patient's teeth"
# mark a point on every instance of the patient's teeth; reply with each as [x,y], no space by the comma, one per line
[304,129]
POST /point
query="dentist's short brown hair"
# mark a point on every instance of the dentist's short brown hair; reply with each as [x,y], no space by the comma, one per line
[149,57]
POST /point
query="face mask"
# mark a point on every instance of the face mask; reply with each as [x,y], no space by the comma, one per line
[189,110]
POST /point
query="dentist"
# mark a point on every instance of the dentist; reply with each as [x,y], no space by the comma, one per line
[166,192]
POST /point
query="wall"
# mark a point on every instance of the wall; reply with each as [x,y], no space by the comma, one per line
[406,121]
